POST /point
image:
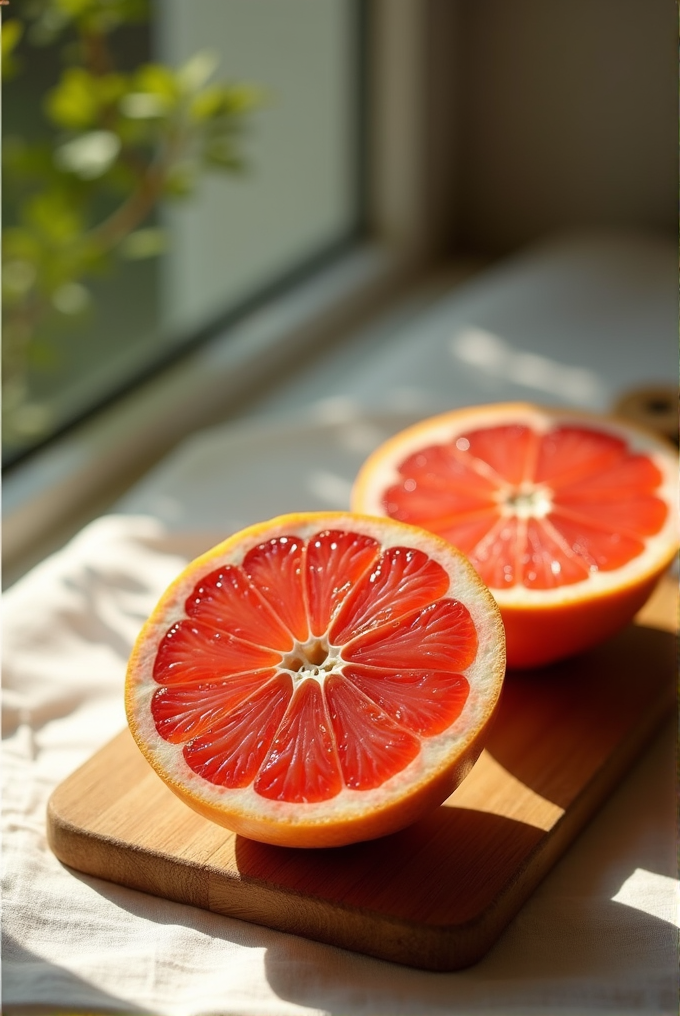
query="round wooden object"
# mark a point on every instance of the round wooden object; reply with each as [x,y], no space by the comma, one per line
[654,407]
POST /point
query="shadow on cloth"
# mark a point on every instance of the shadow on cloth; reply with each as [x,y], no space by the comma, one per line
[21,966]
[567,967]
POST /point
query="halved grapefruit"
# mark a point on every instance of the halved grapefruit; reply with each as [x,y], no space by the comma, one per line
[318,679]
[568,517]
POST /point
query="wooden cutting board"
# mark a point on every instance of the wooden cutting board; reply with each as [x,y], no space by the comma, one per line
[436,895]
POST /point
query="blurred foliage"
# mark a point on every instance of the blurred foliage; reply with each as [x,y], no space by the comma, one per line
[116,143]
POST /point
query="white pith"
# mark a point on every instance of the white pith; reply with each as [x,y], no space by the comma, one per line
[381,470]
[314,659]
[526,501]
[484,675]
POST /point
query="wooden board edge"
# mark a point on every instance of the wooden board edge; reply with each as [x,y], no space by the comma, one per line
[562,836]
[246,898]
[122,863]
[423,946]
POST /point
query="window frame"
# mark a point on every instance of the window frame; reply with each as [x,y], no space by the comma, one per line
[408,223]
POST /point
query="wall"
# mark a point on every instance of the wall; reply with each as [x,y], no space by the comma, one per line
[566,116]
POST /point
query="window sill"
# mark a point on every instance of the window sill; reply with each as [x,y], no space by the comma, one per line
[50,496]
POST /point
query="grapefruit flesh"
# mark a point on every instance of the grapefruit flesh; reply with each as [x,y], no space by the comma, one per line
[318,679]
[567,517]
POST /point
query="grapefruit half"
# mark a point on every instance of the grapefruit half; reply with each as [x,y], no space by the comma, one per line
[318,679]
[569,518]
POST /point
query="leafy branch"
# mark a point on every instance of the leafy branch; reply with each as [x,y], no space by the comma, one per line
[122,142]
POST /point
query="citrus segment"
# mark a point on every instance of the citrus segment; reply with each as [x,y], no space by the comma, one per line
[498,555]
[226,600]
[302,764]
[232,753]
[424,701]
[568,453]
[635,514]
[599,549]
[548,560]
[400,581]
[371,745]
[460,480]
[335,561]
[318,679]
[505,452]
[275,567]
[464,531]
[182,713]
[191,651]
[432,503]
[441,635]
[630,476]
[563,514]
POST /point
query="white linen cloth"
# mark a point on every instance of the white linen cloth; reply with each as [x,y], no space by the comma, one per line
[599,935]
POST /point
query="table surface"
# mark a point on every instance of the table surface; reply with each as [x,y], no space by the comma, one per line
[560,324]
[434,896]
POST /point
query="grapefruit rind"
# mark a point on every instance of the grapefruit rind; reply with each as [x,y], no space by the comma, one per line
[546,624]
[444,759]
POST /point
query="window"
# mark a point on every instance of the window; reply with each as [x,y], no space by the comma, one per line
[238,235]
[443,139]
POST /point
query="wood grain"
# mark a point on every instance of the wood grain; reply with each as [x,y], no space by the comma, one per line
[438,894]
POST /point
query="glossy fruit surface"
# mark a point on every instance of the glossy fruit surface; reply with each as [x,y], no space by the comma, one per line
[568,517]
[318,679]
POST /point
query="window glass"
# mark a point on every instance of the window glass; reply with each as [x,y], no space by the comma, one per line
[298,194]
[277,191]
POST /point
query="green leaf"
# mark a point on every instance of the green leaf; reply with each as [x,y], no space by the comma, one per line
[120,179]
[54,217]
[159,81]
[50,18]
[79,99]
[88,156]
[244,98]
[20,244]
[47,25]
[220,154]
[144,243]
[208,103]
[73,103]
[26,164]
[110,88]
[180,181]
[197,70]
[140,134]
[12,30]
[71,299]
[143,106]
[18,277]
[75,8]
[229,101]
[101,16]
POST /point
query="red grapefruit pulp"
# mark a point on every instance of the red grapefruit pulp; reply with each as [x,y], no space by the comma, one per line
[567,517]
[318,679]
